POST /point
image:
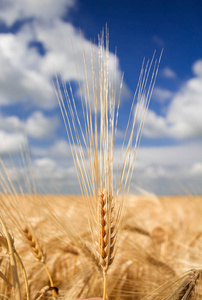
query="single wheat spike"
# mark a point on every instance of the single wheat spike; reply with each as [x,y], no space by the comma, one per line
[92,135]
[33,244]
[106,234]
[38,253]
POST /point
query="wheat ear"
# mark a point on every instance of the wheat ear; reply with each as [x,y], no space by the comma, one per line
[95,131]
[106,234]
[38,253]
[33,243]
[187,287]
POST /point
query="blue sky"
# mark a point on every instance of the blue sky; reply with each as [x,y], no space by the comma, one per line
[36,40]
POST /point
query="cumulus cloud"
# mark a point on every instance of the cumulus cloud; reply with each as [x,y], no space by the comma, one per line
[39,126]
[60,149]
[36,125]
[170,169]
[10,11]
[183,117]
[25,78]
[65,52]
[53,177]
[168,73]
[11,143]
[197,68]
[197,169]
[11,123]
[30,73]
[168,165]
[46,164]
[168,156]
[161,95]
[155,126]
[20,78]
[158,41]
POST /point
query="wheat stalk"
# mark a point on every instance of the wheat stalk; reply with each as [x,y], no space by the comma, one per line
[13,263]
[5,245]
[96,134]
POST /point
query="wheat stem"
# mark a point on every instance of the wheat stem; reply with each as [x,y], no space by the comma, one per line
[24,273]
[104,285]
[16,282]
[50,279]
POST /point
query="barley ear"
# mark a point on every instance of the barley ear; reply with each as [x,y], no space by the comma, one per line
[13,264]
[37,251]
[187,287]
[33,243]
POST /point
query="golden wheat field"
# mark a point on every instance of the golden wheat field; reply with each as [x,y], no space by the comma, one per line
[158,253]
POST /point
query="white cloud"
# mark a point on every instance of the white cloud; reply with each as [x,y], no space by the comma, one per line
[45,163]
[52,176]
[168,156]
[168,73]
[197,68]
[25,77]
[170,169]
[46,10]
[161,95]
[184,114]
[155,126]
[65,49]
[30,74]
[20,79]
[11,123]
[39,126]
[158,41]
[59,150]
[159,169]
[183,118]
[197,169]
[11,142]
